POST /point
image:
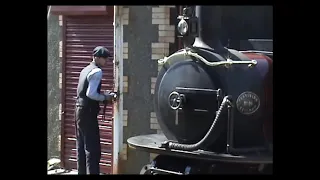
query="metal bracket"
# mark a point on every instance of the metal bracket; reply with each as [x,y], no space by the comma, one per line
[163,171]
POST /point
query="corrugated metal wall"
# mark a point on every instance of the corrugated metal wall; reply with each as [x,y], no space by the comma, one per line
[81,35]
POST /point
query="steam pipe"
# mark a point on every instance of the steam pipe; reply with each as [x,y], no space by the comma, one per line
[209,22]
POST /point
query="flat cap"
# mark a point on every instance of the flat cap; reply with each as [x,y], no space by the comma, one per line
[101,51]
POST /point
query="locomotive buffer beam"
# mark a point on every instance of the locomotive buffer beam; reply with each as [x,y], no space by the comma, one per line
[151,143]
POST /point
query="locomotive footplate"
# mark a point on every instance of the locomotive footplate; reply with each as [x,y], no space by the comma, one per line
[151,143]
[173,165]
[163,164]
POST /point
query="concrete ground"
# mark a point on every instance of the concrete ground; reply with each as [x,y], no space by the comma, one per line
[74,172]
[62,172]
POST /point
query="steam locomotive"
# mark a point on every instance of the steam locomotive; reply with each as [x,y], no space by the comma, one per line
[213,104]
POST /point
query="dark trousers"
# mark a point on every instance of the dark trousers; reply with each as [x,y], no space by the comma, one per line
[88,141]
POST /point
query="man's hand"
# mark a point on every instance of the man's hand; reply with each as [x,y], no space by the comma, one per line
[106,92]
[113,95]
[109,96]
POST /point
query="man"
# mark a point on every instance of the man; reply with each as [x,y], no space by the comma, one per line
[86,112]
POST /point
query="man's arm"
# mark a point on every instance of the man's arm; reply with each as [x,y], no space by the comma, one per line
[94,78]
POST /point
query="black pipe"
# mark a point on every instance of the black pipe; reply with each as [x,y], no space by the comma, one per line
[209,22]
[205,139]
[230,129]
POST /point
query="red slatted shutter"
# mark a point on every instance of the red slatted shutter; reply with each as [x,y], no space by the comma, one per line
[81,35]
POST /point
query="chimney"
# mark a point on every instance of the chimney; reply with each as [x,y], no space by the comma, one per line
[209,27]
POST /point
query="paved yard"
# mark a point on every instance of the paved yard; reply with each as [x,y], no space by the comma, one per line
[62,172]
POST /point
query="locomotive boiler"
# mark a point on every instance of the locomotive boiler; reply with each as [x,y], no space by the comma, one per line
[213,104]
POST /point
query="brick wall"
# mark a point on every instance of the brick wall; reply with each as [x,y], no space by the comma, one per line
[54,85]
[164,17]
[138,68]
[166,32]
[148,35]
[124,151]
[160,49]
